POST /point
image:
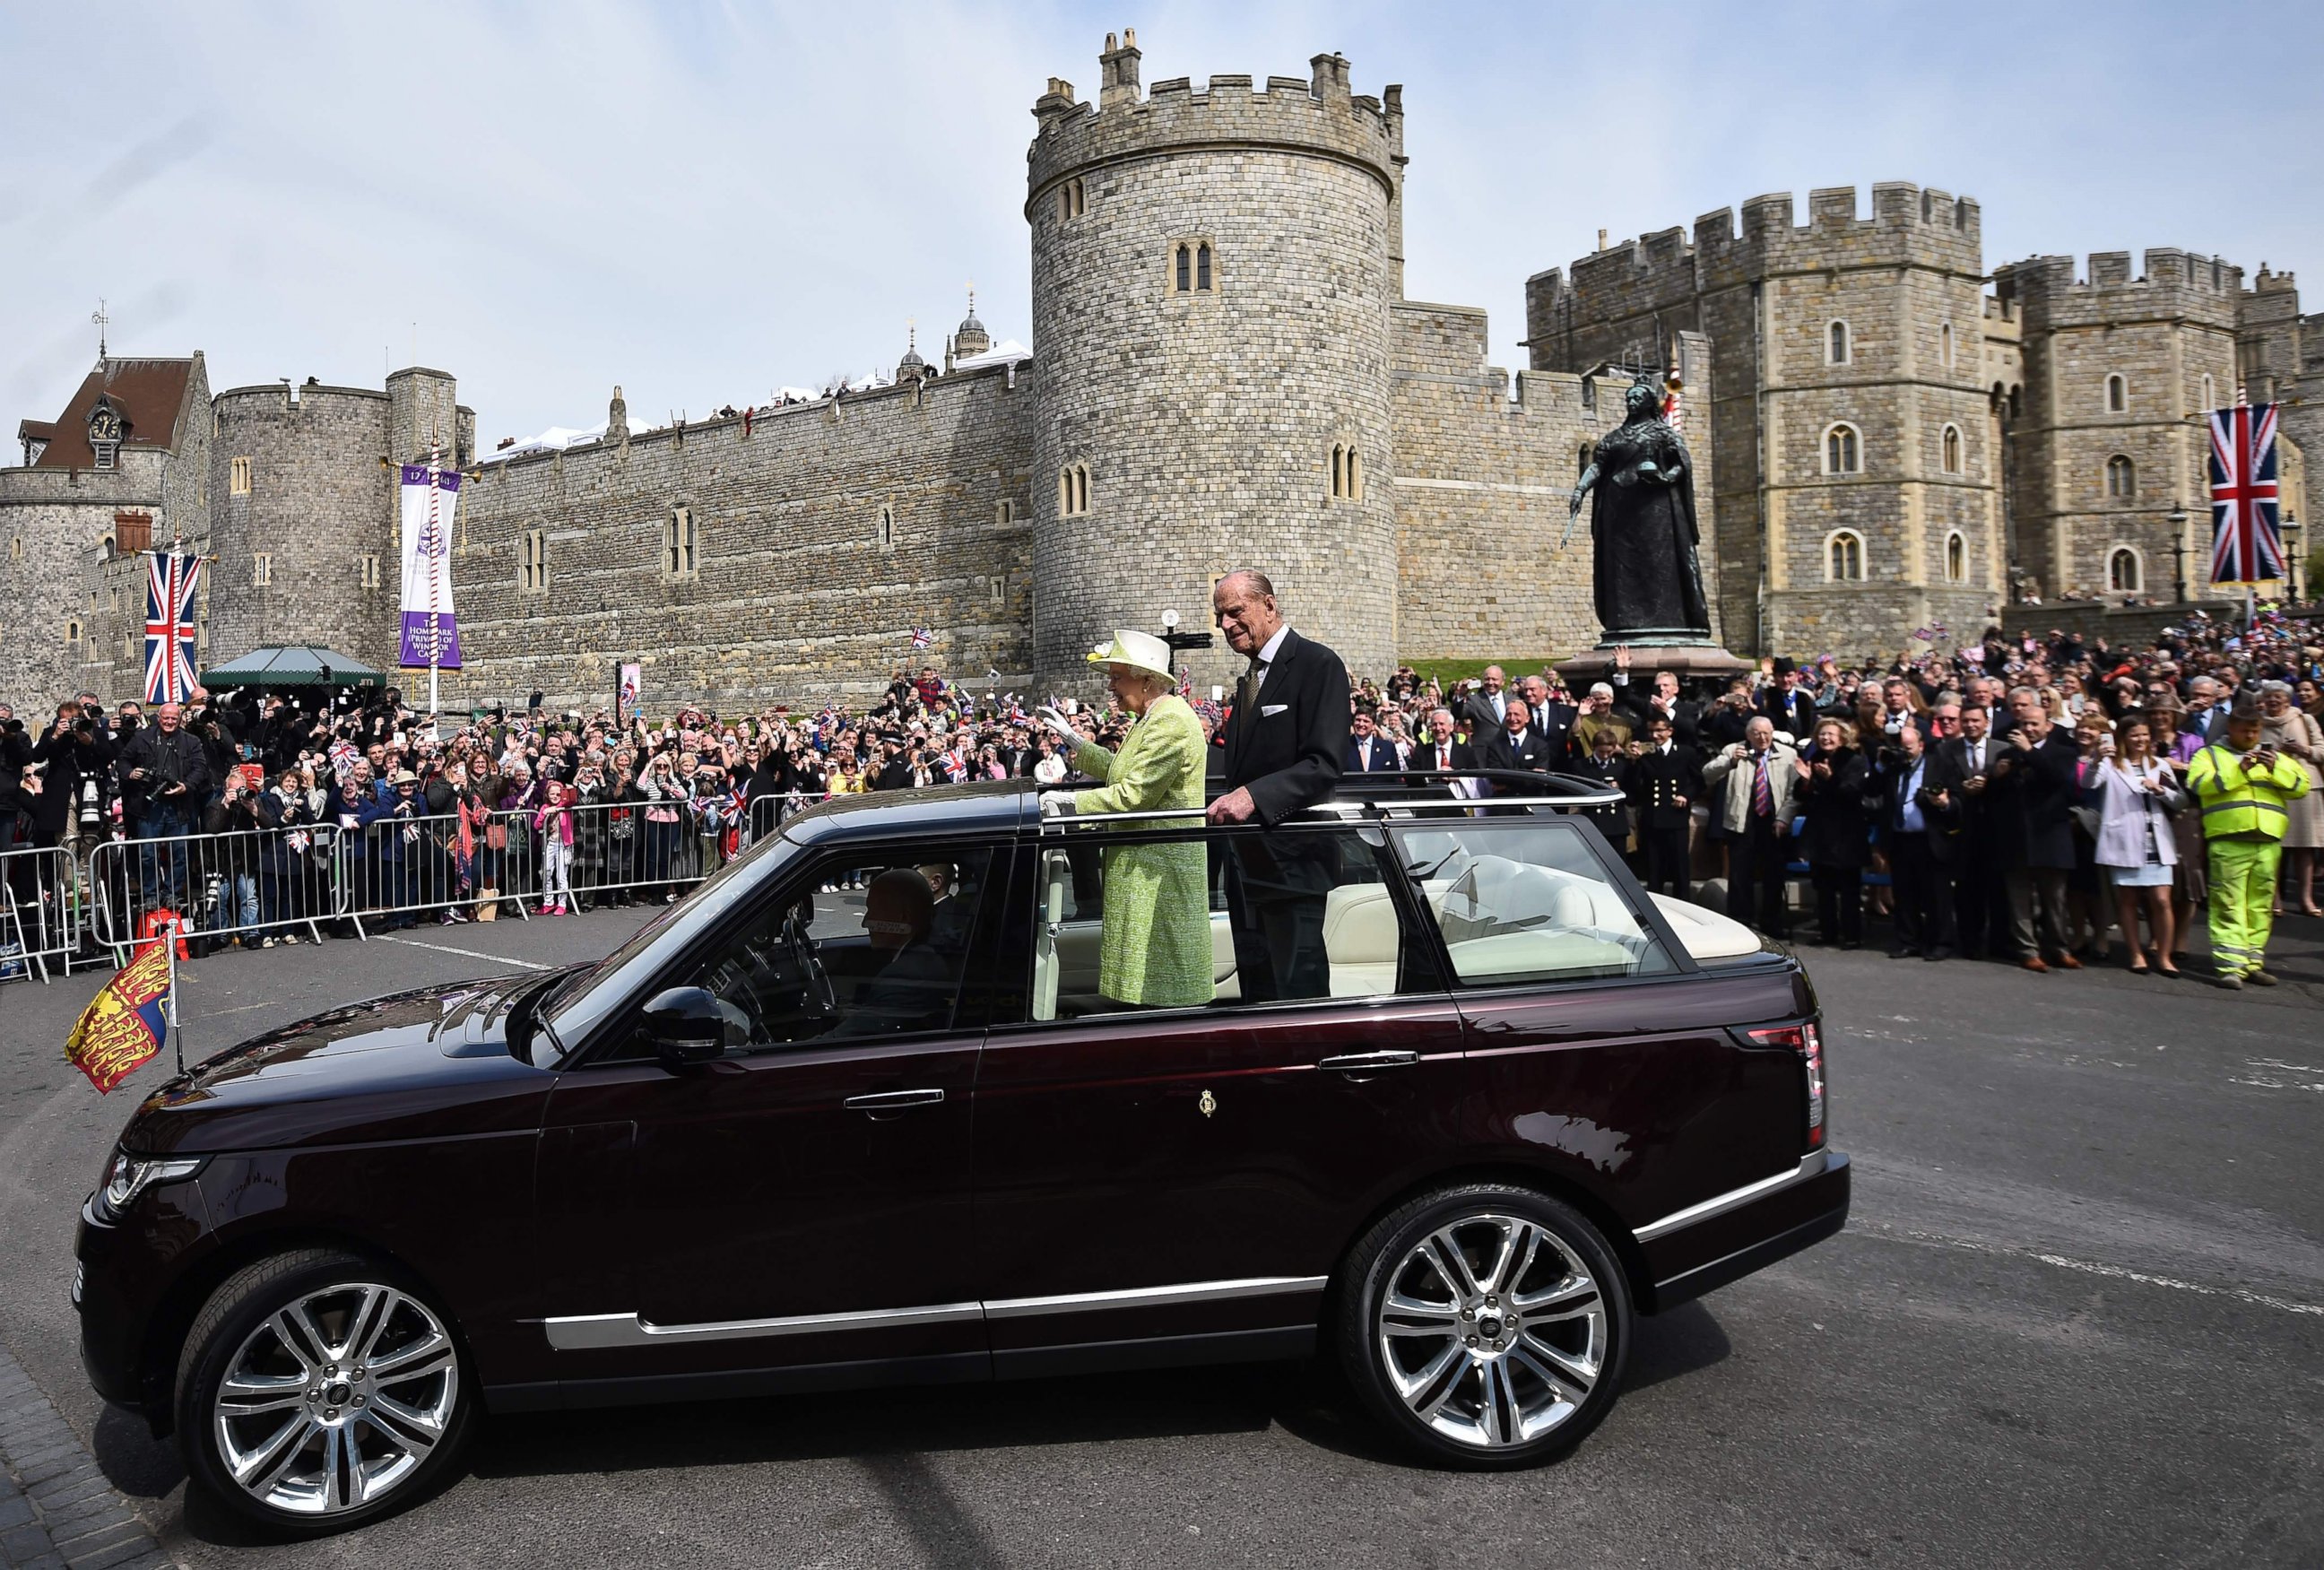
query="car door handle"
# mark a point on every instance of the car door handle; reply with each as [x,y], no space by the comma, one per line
[1365,1062]
[892,1100]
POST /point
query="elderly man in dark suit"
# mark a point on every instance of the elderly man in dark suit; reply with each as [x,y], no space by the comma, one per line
[2031,788]
[1519,744]
[1286,745]
[1920,793]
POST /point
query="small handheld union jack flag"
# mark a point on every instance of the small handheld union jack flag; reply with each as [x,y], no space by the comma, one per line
[2245,543]
[922,638]
[170,582]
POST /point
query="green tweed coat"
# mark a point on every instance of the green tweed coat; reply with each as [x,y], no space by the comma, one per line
[1155,946]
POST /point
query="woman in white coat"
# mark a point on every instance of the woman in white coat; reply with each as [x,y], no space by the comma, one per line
[2135,795]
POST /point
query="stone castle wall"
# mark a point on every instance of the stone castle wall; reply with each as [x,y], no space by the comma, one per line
[1206,419]
[320,508]
[1481,489]
[799,592]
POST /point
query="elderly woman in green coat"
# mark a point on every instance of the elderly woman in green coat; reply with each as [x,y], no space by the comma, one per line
[1154,948]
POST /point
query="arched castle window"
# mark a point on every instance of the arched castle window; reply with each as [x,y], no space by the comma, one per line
[73,633]
[2125,573]
[238,477]
[17,550]
[1347,472]
[1072,491]
[367,571]
[1582,455]
[1843,450]
[2117,393]
[1843,557]
[2121,478]
[532,562]
[1949,449]
[1190,267]
[261,570]
[1073,199]
[2210,394]
[677,542]
[886,528]
[1945,344]
[1836,345]
[1956,557]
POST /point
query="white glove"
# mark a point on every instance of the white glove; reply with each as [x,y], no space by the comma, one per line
[1057,804]
[1061,724]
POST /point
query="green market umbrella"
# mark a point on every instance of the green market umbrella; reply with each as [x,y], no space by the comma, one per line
[294,665]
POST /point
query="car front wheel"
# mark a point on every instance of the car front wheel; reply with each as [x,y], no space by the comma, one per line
[318,1390]
[1486,1325]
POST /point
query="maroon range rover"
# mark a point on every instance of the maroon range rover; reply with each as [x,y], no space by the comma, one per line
[1463,1101]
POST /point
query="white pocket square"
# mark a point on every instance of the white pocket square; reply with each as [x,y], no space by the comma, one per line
[1270,710]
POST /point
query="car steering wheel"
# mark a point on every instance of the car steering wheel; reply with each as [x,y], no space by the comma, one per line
[810,968]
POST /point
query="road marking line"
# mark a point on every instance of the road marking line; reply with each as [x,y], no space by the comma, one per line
[2091,1267]
[469,953]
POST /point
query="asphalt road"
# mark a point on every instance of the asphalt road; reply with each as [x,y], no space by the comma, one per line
[2078,1318]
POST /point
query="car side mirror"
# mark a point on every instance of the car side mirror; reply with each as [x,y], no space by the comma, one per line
[691,1025]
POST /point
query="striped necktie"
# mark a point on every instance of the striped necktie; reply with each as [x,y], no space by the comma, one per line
[1763,792]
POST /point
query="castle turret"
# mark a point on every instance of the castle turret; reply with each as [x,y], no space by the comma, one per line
[1212,279]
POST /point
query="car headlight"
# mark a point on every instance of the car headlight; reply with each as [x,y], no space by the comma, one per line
[127,1177]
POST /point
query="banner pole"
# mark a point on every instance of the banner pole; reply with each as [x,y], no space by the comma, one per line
[177,1031]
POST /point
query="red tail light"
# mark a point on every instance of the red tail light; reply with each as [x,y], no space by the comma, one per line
[1808,1041]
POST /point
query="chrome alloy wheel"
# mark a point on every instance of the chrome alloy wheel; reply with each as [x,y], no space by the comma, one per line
[1492,1331]
[335,1399]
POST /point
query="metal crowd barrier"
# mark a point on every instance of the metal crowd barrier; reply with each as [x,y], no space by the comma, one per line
[43,907]
[317,878]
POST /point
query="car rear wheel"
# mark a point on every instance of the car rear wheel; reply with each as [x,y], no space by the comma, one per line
[318,1390]
[1485,1326]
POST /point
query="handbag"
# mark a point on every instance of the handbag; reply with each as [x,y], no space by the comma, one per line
[496,835]
[2087,820]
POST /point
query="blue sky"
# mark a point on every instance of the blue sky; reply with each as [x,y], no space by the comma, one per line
[703,202]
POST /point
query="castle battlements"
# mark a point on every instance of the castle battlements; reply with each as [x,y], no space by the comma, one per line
[2055,291]
[1910,225]
[1316,113]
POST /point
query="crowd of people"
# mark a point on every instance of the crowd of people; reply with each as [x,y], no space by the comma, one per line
[2028,798]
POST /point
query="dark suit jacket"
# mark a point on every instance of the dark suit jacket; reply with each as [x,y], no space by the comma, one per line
[1476,714]
[1976,826]
[1289,759]
[1533,754]
[1940,773]
[1657,779]
[1685,715]
[1425,756]
[2032,799]
[1791,711]
[1373,755]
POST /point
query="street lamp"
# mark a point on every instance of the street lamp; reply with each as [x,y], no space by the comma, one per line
[2178,521]
[2295,568]
[1178,641]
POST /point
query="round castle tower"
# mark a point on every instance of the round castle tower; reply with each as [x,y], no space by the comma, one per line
[1211,280]
[300,478]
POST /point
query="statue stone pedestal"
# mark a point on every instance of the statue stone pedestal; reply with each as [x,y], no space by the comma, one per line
[1688,659]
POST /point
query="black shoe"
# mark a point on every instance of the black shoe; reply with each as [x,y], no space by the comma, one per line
[1937,954]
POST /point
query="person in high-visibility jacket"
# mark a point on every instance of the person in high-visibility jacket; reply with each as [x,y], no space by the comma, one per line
[2242,787]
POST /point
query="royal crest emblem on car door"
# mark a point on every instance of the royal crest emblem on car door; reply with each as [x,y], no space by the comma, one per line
[1206,1104]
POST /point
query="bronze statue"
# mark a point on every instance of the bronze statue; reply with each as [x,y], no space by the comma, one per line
[1647,580]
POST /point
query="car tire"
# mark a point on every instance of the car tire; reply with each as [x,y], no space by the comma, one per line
[1485,1326]
[319,1390]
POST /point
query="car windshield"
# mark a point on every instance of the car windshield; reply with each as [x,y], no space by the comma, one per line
[565,1007]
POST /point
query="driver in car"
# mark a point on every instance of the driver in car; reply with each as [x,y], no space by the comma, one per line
[914,988]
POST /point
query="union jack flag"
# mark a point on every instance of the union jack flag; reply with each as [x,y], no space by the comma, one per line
[170,582]
[955,764]
[922,638]
[2245,544]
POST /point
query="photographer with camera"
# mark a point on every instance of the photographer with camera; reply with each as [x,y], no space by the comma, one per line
[75,758]
[165,776]
[1919,790]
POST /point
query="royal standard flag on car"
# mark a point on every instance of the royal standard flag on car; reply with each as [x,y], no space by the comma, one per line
[122,1026]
